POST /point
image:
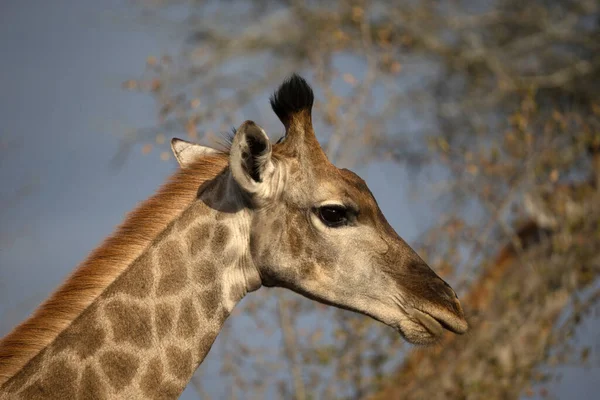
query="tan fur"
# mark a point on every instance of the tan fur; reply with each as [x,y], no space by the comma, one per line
[104,265]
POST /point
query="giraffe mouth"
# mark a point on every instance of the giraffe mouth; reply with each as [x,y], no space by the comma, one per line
[432,325]
[436,326]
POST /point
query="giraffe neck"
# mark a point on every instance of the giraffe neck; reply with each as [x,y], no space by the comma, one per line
[150,329]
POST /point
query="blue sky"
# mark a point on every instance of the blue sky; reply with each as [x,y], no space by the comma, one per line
[62,112]
[62,64]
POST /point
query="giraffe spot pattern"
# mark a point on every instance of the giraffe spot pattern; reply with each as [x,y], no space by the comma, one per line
[152,377]
[324,259]
[84,336]
[188,319]
[191,215]
[198,238]
[119,368]
[58,383]
[236,293]
[205,273]
[165,316]
[205,343]
[84,343]
[130,323]
[308,270]
[153,384]
[211,300]
[137,280]
[179,362]
[18,381]
[220,238]
[173,272]
[91,388]
[295,242]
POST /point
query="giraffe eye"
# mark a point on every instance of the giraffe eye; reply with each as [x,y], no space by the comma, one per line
[333,216]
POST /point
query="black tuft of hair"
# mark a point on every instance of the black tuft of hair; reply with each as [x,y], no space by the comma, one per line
[293,96]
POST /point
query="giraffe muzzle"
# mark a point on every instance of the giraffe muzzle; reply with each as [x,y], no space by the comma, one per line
[437,323]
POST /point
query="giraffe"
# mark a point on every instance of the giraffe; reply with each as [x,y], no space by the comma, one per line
[140,314]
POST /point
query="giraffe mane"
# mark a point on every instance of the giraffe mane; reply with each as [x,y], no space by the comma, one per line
[105,264]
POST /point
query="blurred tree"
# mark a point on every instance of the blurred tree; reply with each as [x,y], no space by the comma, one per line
[496,102]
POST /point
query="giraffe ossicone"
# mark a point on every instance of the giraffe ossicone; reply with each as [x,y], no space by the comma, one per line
[140,314]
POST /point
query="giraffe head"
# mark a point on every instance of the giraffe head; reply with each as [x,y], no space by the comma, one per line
[317,229]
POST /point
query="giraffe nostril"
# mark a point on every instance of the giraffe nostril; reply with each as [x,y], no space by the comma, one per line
[454,295]
[450,295]
[449,291]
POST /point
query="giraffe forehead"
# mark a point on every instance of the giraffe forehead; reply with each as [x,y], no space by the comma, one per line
[345,185]
[308,189]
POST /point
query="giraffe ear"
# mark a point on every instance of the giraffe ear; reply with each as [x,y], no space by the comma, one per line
[250,159]
[187,153]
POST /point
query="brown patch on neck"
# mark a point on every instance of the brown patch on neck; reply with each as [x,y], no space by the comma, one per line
[104,265]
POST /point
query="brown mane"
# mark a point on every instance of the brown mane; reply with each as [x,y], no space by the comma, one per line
[104,265]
